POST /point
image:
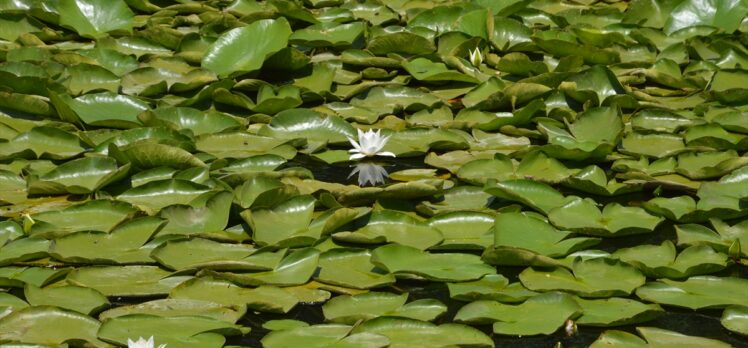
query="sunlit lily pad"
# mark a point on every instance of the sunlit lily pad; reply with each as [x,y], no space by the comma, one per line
[522,239]
[653,337]
[184,331]
[349,309]
[581,215]
[408,332]
[47,325]
[661,261]
[735,318]
[532,317]
[599,277]
[125,281]
[325,335]
[696,292]
[404,260]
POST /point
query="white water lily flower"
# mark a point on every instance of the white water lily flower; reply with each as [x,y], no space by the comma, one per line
[476,57]
[371,173]
[142,343]
[369,144]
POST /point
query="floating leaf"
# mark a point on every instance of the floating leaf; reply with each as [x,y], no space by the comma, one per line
[661,261]
[183,331]
[126,281]
[581,215]
[696,292]
[521,239]
[350,309]
[409,332]
[351,269]
[227,56]
[653,337]
[46,325]
[324,335]
[400,259]
[598,277]
[95,18]
[541,314]
[735,318]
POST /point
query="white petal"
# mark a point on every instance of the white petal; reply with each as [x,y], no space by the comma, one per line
[356,156]
[354,143]
[386,153]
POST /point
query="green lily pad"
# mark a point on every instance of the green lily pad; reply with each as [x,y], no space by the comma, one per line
[393,99]
[51,326]
[124,244]
[464,229]
[324,335]
[125,281]
[616,311]
[328,34]
[735,319]
[226,55]
[210,217]
[102,109]
[285,224]
[179,307]
[660,261]
[721,238]
[536,195]
[598,277]
[696,292]
[654,337]
[168,192]
[541,314]
[263,298]
[97,215]
[42,142]
[23,249]
[409,332]
[426,70]
[201,253]
[14,276]
[95,18]
[724,15]
[79,176]
[582,216]
[393,226]
[295,269]
[524,240]
[183,331]
[351,268]
[75,298]
[491,287]
[304,123]
[200,122]
[405,260]
[350,309]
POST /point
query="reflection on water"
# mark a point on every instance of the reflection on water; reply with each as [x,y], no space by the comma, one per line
[369,173]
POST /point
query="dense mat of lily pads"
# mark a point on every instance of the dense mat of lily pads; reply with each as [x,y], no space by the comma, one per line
[179,170]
